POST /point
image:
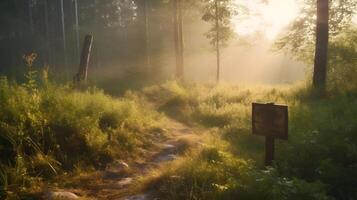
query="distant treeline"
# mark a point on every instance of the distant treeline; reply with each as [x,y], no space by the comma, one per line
[55,30]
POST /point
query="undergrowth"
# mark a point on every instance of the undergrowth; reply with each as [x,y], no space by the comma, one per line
[48,129]
[319,161]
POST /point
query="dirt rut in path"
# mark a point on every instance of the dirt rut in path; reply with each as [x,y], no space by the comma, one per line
[116,182]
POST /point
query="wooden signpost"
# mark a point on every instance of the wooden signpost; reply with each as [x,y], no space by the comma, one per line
[271,121]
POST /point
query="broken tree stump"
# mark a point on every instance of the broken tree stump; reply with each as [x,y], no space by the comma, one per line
[84,63]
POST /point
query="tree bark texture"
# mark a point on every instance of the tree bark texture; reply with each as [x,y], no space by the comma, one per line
[322,36]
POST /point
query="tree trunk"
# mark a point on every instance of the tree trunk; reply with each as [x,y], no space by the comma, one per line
[322,35]
[146,26]
[63,34]
[217,41]
[180,34]
[30,7]
[77,25]
[47,29]
[97,54]
[178,39]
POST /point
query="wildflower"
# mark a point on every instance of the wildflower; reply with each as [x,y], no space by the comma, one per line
[29,58]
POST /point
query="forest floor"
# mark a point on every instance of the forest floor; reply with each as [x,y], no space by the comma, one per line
[121,181]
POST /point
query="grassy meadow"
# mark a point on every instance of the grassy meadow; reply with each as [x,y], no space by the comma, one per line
[319,161]
[50,130]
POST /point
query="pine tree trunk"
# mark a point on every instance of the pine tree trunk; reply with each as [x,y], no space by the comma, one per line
[147,42]
[30,7]
[180,34]
[217,41]
[97,53]
[47,29]
[322,35]
[63,34]
[178,38]
[77,25]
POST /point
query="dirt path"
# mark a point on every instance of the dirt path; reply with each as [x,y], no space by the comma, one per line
[117,181]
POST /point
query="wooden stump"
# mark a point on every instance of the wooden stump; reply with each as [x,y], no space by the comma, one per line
[84,63]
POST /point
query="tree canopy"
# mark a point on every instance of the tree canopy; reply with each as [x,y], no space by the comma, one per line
[300,36]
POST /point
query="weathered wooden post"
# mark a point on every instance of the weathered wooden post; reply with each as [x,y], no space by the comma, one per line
[271,121]
[85,56]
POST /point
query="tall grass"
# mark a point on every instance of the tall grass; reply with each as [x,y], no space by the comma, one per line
[47,130]
[321,149]
[212,172]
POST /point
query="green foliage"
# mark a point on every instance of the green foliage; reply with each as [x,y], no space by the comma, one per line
[108,13]
[3,182]
[215,174]
[343,60]
[49,130]
[173,99]
[319,156]
[324,140]
[219,13]
[300,38]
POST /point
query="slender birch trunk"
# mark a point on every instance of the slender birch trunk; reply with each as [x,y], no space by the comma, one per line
[217,41]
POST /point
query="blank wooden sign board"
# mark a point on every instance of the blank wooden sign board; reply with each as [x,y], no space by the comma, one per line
[271,121]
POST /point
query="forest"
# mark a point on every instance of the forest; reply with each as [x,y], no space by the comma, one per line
[178,99]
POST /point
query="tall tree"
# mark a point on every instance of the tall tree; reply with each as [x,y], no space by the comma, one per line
[217,27]
[322,35]
[219,14]
[77,25]
[30,10]
[319,22]
[147,42]
[178,38]
[143,22]
[63,33]
[47,30]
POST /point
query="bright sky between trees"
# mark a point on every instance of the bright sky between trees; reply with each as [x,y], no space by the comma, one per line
[269,18]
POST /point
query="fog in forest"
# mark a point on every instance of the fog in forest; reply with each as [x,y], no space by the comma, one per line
[133,37]
[251,56]
[251,62]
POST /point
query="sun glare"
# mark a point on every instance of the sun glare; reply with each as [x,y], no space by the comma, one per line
[268,18]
